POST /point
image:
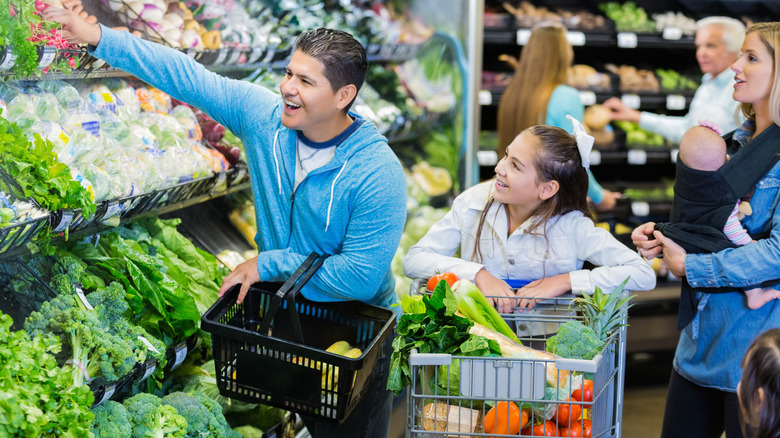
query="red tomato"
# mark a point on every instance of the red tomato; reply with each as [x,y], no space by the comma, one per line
[449,277]
[584,393]
[574,430]
[548,428]
[504,418]
[568,413]
[586,426]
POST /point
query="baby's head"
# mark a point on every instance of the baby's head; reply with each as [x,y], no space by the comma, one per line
[702,148]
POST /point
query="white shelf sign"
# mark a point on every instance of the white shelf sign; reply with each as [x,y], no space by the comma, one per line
[46,58]
[588,98]
[640,208]
[631,100]
[485,97]
[522,36]
[626,40]
[221,57]
[673,155]
[637,157]
[675,102]
[672,33]
[595,158]
[576,38]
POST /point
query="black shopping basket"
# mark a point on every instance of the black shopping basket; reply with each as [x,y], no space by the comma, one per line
[270,349]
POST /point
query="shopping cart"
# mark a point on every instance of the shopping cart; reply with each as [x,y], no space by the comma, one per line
[452,396]
[271,348]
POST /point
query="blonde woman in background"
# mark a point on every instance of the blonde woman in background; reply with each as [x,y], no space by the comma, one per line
[538,95]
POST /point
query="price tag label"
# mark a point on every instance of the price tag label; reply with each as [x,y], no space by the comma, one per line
[576,38]
[82,297]
[221,57]
[150,367]
[588,98]
[673,155]
[640,208]
[626,40]
[8,60]
[485,97]
[256,54]
[148,344]
[108,392]
[675,102]
[234,57]
[637,157]
[487,158]
[46,58]
[672,33]
[631,100]
[522,36]
[65,221]
[180,353]
[595,158]
[221,178]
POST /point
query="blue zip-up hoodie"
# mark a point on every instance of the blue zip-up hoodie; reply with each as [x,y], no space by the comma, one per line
[354,207]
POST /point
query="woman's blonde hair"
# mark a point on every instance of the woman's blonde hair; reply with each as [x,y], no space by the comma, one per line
[769,34]
[543,65]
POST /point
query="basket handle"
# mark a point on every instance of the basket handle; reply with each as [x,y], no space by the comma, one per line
[289,290]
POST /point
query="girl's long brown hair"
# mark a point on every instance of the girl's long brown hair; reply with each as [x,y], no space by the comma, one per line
[760,417]
[543,65]
[557,158]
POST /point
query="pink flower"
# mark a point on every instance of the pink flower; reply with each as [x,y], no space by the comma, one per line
[13,11]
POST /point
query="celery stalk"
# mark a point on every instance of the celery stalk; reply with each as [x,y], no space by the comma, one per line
[473,304]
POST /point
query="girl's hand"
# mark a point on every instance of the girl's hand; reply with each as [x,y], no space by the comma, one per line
[674,255]
[641,238]
[545,288]
[492,286]
[245,274]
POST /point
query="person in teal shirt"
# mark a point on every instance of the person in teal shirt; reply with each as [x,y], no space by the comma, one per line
[538,95]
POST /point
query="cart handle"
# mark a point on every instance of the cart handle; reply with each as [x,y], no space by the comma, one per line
[289,290]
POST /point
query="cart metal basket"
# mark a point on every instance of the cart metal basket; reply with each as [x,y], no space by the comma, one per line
[450,396]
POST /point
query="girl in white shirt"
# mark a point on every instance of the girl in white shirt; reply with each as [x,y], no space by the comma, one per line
[532,222]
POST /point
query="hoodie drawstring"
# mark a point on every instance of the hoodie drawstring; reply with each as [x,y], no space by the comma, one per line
[332,187]
[276,161]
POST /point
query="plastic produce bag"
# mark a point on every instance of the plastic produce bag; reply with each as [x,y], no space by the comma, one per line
[67,95]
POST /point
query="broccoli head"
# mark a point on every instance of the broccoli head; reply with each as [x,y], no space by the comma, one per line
[111,420]
[150,418]
[202,420]
[575,340]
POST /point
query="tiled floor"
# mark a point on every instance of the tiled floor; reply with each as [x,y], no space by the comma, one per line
[643,401]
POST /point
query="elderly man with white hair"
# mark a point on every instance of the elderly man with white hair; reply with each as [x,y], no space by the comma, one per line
[718,43]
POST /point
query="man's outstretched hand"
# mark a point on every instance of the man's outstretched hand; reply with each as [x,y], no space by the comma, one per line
[74,28]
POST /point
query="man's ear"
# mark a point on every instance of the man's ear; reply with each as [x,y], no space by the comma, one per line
[549,189]
[345,95]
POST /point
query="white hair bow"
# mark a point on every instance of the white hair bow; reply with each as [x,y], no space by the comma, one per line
[584,141]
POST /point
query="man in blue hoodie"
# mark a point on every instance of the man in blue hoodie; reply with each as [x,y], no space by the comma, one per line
[323,179]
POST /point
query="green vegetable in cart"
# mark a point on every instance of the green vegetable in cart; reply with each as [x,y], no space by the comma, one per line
[575,340]
[473,304]
[602,311]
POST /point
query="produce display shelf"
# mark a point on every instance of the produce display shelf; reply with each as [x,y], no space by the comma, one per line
[599,38]
[662,100]
[22,291]
[17,236]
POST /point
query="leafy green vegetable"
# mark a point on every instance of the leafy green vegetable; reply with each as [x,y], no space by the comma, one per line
[437,330]
[35,168]
[150,418]
[111,421]
[473,304]
[37,397]
[575,340]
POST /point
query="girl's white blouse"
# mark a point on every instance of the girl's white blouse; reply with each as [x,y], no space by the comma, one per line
[561,247]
